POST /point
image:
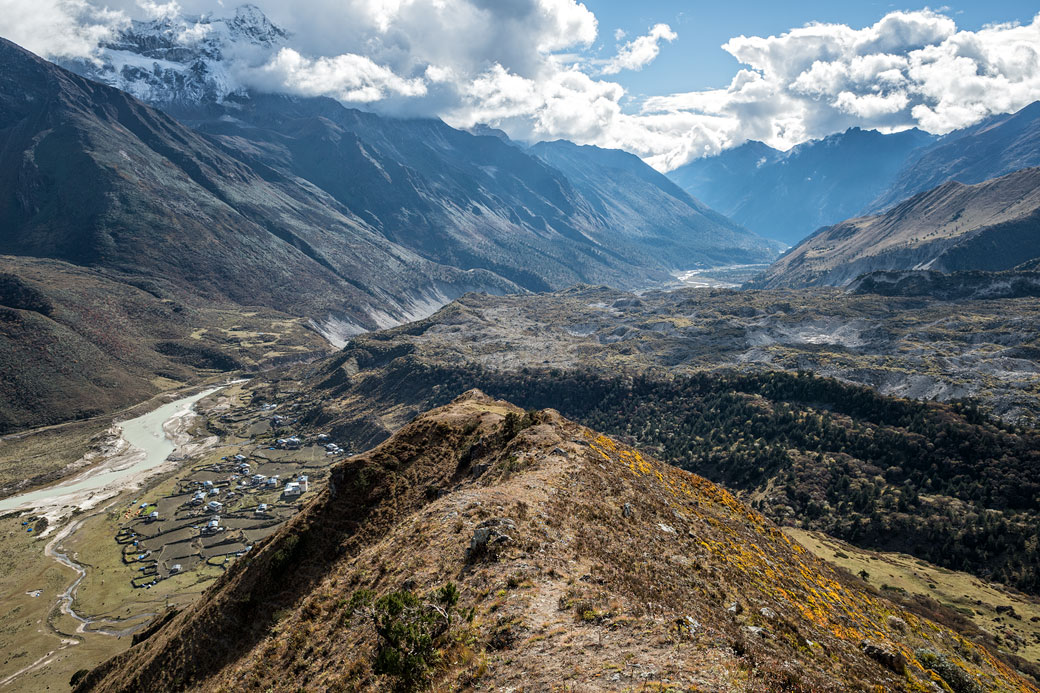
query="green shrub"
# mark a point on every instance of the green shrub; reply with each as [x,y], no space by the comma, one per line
[412,634]
[955,677]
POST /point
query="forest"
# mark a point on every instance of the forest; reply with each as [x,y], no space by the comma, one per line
[941,482]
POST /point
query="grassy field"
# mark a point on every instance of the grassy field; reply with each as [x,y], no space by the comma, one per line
[31,627]
[1017,632]
[33,457]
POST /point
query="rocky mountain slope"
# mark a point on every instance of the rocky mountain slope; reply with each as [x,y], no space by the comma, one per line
[168,222]
[994,225]
[630,195]
[788,195]
[479,201]
[716,382]
[994,147]
[91,176]
[485,546]
[955,286]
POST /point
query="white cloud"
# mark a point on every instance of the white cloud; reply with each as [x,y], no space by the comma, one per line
[528,67]
[910,69]
[349,77]
[68,28]
[640,52]
[155,10]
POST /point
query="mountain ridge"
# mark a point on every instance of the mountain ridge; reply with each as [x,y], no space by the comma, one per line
[450,188]
[557,519]
[998,145]
[788,195]
[993,225]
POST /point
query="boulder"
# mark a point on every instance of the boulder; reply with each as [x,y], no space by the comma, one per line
[885,655]
[490,533]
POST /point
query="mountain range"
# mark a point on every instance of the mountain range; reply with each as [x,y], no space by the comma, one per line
[789,195]
[993,226]
[466,200]
[320,216]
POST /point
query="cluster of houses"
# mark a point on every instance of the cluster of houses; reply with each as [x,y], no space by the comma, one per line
[296,488]
[290,443]
[212,527]
[209,499]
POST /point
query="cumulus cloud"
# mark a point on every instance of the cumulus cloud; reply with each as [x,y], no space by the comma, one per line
[910,69]
[59,28]
[640,52]
[530,68]
[352,78]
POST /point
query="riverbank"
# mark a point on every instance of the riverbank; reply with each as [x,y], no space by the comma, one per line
[132,451]
[43,639]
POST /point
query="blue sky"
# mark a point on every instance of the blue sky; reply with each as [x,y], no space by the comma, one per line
[552,69]
[696,61]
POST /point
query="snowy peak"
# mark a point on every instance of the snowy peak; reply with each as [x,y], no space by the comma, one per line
[252,25]
[184,59]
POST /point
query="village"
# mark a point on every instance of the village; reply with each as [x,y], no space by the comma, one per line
[220,507]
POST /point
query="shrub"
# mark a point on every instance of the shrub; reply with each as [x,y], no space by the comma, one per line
[955,677]
[412,633]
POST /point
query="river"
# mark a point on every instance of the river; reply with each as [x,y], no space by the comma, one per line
[148,444]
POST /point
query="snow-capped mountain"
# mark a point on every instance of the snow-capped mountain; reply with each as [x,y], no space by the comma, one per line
[184,59]
[460,200]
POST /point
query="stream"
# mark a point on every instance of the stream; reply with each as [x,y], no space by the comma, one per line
[149,444]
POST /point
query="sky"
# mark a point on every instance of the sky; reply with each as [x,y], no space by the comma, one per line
[697,61]
[669,80]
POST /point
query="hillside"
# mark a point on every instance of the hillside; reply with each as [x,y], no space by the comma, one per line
[479,201]
[788,195]
[994,147]
[718,384]
[629,194]
[994,225]
[91,176]
[482,546]
[955,286]
[77,342]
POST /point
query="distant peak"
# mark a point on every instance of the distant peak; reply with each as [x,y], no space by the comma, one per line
[485,130]
[182,59]
[250,21]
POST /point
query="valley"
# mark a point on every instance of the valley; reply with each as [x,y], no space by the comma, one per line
[333,361]
[537,350]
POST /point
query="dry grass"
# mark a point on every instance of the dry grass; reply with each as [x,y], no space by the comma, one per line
[582,596]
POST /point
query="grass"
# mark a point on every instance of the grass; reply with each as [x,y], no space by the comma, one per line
[26,633]
[964,593]
[44,453]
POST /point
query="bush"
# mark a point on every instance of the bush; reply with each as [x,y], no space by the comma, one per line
[412,633]
[955,677]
